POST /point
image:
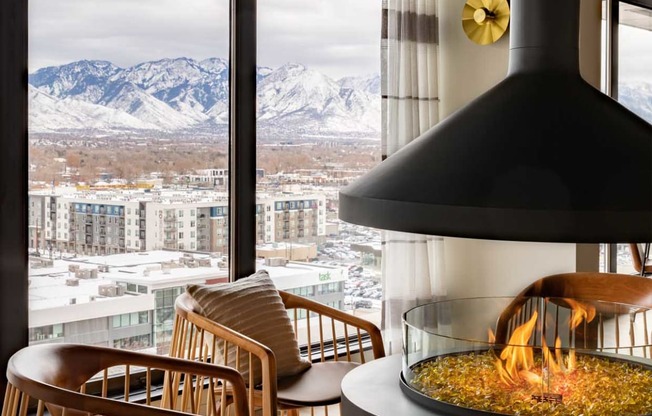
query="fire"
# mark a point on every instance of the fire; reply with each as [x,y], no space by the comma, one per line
[517,358]
[581,312]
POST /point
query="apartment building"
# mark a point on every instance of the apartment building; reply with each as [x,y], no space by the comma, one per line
[123,221]
[299,218]
[212,178]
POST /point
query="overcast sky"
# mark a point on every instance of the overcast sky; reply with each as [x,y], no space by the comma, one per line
[337,37]
[635,54]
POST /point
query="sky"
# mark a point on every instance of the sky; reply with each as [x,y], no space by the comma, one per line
[336,37]
[635,54]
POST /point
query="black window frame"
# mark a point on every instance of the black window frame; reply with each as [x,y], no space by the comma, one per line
[14,163]
[611,87]
[13,182]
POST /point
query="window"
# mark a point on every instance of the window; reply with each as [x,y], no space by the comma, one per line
[634,81]
[308,167]
[134,343]
[49,332]
[633,84]
[164,316]
[80,166]
[130,319]
[181,63]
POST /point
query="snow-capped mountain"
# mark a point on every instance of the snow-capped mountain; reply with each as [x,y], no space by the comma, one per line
[637,97]
[187,96]
[83,80]
[299,96]
[133,100]
[47,113]
[369,83]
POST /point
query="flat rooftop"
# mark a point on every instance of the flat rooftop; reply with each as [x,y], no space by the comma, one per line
[157,269]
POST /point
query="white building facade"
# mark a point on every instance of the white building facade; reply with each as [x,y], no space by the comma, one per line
[123,221]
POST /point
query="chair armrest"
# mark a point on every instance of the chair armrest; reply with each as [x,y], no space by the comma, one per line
[293,301]
[54,373]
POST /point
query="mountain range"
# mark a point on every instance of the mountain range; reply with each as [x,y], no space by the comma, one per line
[637,97]
[185,96]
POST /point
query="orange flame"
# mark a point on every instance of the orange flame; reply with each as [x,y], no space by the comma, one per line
[580,313]
[572,361]
[517,358]
[559,357]
[517,355]
[554,364]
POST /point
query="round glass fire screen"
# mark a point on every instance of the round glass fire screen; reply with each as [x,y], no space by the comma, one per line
[528,356]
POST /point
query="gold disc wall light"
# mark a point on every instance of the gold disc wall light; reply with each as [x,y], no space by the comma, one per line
[485,21]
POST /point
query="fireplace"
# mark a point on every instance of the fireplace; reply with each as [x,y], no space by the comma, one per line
[522,163]
[528,356]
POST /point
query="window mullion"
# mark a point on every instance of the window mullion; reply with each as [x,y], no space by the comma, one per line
[242,136]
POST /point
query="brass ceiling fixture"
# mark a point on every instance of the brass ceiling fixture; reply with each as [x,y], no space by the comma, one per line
[485,21]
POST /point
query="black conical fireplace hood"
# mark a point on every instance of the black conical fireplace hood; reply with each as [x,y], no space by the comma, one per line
[542,156]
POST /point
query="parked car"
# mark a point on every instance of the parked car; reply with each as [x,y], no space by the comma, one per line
[363,303]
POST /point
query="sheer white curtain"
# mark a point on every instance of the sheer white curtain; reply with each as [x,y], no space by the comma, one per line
[412,265]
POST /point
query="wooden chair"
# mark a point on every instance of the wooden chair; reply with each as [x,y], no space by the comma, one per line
[71,380]
[615,329]
[639,252]
[335,342]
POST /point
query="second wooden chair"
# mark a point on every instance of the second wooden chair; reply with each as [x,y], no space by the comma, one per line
[334,340]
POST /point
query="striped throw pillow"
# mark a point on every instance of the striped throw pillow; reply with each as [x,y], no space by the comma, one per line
[253,307]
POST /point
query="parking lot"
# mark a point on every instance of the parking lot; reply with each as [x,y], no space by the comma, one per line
[363,288]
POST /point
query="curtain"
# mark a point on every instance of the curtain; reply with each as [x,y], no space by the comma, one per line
[412,265]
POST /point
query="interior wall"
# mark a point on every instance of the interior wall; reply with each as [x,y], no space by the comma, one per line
[466,69]
[496,268]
